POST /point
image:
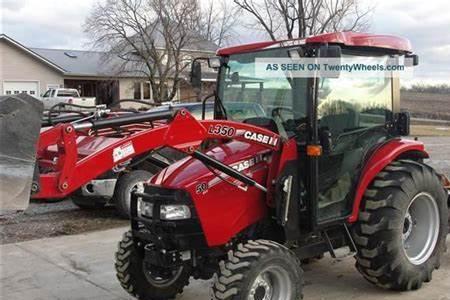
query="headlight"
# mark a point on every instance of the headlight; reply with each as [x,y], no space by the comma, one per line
[167,212]
[175,212]
[145,208]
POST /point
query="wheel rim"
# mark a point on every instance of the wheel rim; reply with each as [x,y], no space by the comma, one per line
[420,228]
[272,283]
[162,278]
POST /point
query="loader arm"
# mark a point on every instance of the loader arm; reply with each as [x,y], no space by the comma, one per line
[182,132]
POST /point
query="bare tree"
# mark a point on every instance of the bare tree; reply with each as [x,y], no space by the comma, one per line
[147,38]
[301,18]
[218,20]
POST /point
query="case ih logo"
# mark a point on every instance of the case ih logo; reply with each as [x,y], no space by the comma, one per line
[248,163]
[261,138]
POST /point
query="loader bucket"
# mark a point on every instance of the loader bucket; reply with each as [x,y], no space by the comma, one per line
[20,124]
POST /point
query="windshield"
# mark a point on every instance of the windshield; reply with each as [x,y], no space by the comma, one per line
[246,97]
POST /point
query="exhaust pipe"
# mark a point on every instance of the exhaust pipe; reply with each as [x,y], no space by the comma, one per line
[20,125]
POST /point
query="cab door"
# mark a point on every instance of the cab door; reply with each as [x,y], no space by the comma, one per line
[352,114]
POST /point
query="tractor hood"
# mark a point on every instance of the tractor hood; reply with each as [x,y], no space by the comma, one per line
[189,171]
[217,197]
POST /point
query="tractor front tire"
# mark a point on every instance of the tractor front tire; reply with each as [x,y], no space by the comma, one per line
[402,227]
[259,269]
[125,185]
[137,279]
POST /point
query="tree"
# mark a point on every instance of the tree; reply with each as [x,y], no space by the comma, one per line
[148,38]
[218,21]
[300,18]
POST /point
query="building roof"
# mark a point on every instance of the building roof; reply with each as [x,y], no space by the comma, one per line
[36,55]
[352,39]
[90,63]
[80,63]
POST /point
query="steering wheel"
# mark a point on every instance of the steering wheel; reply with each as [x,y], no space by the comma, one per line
[276,112]
[293,125]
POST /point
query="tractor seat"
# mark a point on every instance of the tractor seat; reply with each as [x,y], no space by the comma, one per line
[338,123]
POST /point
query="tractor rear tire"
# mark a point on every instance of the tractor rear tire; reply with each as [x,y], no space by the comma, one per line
[402,227]
[137,279]
[257,268]
[125,184]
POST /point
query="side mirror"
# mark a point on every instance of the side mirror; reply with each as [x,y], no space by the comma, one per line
[413,58]
[196,74]
[402,123]
[214,62]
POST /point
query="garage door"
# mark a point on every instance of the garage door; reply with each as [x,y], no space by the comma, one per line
[17,87]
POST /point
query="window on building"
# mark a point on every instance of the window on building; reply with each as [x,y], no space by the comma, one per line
[142,91]
[32,92]
[16,92]
[147,93]
[8,92]
[137,91]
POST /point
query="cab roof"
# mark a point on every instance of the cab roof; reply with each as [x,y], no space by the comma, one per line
[348,38]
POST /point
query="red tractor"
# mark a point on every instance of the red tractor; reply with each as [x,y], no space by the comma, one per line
[290,168]
[325,168]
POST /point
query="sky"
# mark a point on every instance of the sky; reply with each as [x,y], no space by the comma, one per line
[58,24]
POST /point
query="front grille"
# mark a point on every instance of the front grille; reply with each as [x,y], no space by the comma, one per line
[179,234]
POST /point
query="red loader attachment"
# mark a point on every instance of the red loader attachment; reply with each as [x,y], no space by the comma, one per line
[64,167]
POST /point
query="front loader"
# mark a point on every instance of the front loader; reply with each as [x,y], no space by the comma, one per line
[50,168]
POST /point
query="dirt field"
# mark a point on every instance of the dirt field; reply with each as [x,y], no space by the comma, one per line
[426,105]
[430,130]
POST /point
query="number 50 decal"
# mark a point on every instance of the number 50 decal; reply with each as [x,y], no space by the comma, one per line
[222,130]
[201,188]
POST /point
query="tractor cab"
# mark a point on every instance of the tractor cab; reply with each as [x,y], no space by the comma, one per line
[344,117]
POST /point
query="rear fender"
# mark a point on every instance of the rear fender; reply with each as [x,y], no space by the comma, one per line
[392,150]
